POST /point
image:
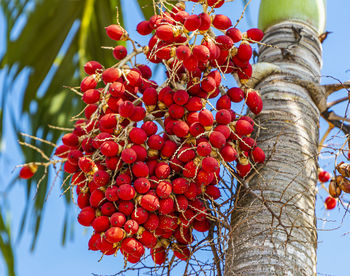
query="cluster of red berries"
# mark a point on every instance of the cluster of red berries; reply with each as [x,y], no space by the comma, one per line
[141,186]
[330,202]
[172,33]
[338,184]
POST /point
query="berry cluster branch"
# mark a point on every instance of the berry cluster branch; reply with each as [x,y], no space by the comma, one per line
[331,88]
[337,121]
[148,161]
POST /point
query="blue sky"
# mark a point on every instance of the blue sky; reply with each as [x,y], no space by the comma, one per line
[50,258]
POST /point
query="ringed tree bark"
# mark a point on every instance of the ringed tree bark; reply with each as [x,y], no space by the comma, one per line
[274,225]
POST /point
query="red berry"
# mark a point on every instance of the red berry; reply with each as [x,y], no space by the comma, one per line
[141,152]
[112,193]
[192,23]
[224,42]
[228,153]
[181,129]
[133,247]
[101,177]
[140,169]
[95,242]
[247,143]
[176,111]
[103,136]
[89,110]
[116,89]
[146,72]
[201,226]
[243,170]
[138,136]
[143,28]
[234,34]
[70,140]
[131,227]
[91,67]
[255,34]
[126,207]
[86,216]
[28,171]
[140,215]
[116,32]
[109,148]
[223,117]
[215,3]
[111,75]
[254,102]
[114,234]
[97,198]
[123,178]
[180,185]
[138,115]
[150,202]
[205,22]
[70,168]
[148,239]
[91,96]
[194,104]
[162,170]
[155,142]
[180,97]
[169,149]
[126,192]
[330,203]
[212,192]
[183,52]
[236,94]
[134,77]
[224,102]
[201,53]
[142,185]
[164,189]
[152,223]
[158,255]
[107,209]
[204,149]
[222,22]
[244,51]
[120,52]
[83,200]
[258,156]
[88,83]
[62,151]
[165,33]
[205,118]
[217,139]
[126,109]
[86,164]
[209,164]
[208,85]
[324,176]
[191,63]
[243,127]
[118,219]
[224,129]
[150,96]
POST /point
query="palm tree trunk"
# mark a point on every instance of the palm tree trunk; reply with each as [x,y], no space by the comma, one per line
[274,225]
